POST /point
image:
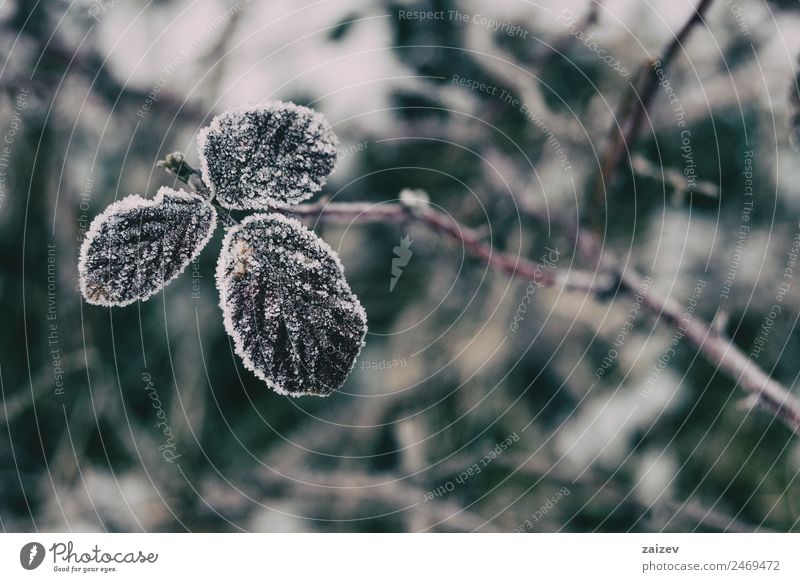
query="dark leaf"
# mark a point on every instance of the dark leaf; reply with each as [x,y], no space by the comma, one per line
[293,318]
[137,246]
[266,156]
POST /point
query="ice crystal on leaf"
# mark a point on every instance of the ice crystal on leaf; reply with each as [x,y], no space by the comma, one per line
[293,318]
[263,156]
[137,246]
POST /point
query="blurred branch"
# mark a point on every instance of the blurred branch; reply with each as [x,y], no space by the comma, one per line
[631,114]
[690,511]
[713,346]
[677,180]
[92,66]
[722,352]
[470,239]
[331,489]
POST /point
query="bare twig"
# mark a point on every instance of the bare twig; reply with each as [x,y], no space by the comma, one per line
[677,180]
[720,351]
[92,66]
[714,347]
[470,239]
[631,116]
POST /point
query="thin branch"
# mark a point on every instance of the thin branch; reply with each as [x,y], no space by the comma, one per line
[632,125]
[714,347]
[710,343]
[723,353]
[631,115]
[470,239]
[677,180]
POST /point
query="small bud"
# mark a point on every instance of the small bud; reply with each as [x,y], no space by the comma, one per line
[415,199]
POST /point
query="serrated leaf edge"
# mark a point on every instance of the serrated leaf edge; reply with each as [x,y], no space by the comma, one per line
[135,200]
[228,318]
[269,201]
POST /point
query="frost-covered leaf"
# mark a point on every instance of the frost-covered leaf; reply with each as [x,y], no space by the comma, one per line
[293,318]
[137,246]
[266,156]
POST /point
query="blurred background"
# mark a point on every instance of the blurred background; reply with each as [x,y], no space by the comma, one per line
[574,416]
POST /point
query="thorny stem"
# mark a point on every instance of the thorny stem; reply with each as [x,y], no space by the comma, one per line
[723,353]
[602,285]
[717,349]
[324,211]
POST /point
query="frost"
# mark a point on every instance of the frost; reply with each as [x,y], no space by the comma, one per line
[137,246]
[263,156]
[293,318]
